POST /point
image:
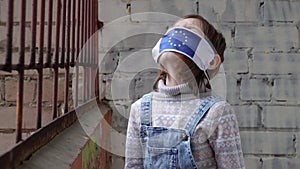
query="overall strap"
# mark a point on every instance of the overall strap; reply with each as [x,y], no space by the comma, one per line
[197,116]
[146,110]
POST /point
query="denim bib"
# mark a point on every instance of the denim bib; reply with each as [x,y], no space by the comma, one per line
[169,148]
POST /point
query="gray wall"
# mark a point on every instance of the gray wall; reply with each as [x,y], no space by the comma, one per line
[261,67]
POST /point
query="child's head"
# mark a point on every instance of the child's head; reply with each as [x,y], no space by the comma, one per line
[183,67]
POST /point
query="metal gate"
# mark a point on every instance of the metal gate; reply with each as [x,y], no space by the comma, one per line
[74,23]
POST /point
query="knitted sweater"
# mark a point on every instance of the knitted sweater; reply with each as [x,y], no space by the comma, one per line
[215,142]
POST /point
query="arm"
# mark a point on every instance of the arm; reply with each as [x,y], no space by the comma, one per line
[226,141]
[133,152]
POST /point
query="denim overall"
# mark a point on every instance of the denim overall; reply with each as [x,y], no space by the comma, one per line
[169,148]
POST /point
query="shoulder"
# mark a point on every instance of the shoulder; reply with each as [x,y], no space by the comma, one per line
[219,109]
[137,103]
[136,106]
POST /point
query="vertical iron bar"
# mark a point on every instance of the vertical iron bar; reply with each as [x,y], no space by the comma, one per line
[49,43]
[33,32]
[62,61]
[78,29]
[91,51]
[77,53]
[73,33]
[20,96]
[92,91]
[68,58]
[96,49]
[68,22]
[88,26]
[85,85]
[40,68]
[57,32]
[82,30]
[9,35]
[56,59]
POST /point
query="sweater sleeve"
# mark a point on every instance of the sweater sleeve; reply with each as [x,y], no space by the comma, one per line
[225,140]
[133,150]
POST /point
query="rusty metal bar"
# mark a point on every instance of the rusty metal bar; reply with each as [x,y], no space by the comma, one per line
[66,99]
[73,33]
[57,31]
[19,111]
[85,85]
[56,60]
[49,42]
[78,29]
[90,54]
[63,34]
[33,33]
[82,28]
[68,22]
[40,70]
[9,36]
[77,53]
[87,57]
[96,48]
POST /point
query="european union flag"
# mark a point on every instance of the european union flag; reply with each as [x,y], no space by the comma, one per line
[180,39]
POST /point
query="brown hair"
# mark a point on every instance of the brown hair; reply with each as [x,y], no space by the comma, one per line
[216,39]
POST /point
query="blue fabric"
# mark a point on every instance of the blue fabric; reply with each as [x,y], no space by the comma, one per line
[181,40]
[168,148]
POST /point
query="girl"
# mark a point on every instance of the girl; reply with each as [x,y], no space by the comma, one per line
[180,124]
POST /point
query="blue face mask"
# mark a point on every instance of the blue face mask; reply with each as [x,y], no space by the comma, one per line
[188,43]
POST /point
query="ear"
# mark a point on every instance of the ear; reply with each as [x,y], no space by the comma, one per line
[215,62]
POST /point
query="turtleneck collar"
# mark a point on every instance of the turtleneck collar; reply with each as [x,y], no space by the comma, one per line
[173,90]
[177,93]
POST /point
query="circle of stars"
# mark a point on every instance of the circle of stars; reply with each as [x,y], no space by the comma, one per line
[178,44]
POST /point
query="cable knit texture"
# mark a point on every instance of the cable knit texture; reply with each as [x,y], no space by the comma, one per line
[215,142]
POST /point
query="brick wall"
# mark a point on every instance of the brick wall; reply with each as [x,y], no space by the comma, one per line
[261,65]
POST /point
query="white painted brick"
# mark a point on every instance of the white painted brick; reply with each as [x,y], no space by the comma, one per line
[264,142]
[276,63]
[226,31]
[131,80]
[241,11]
[232,95]
[17,10]
[136,61]
[280,37]
[110,10]
[16,36]
[248,116]
[281,10]
[173,7]
[286,89]
[281,116]
[281,162]
[119,88]
[236,61]
[124,35]
[212,10]
[255,89]
[108,62]
[102,87]
[252,162]
[121,111]
[144,84]
[230,10]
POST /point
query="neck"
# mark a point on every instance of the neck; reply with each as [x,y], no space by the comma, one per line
[174,81]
